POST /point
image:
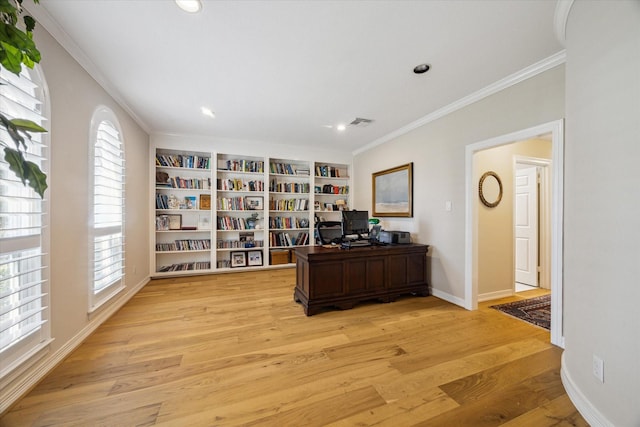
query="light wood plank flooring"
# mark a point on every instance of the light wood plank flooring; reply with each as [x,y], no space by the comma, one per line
[234,349]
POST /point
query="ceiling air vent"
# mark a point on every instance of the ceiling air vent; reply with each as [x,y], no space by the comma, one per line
[360,122]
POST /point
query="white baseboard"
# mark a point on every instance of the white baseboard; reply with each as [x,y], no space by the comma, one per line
[32,376]
[580,401]
[448,297]
[495,295]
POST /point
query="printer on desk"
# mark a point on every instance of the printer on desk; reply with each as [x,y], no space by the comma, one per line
[400,237]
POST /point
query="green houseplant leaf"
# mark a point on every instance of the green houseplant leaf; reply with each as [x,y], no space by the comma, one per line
[17,48]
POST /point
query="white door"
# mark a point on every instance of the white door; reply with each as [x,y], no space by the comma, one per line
[526,226]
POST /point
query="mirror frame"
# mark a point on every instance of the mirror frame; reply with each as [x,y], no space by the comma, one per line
[484,201]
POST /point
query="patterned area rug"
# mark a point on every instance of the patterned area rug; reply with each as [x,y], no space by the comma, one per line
[533,310]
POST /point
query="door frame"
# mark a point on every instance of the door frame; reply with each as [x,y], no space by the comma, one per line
[556,128]
[544,216]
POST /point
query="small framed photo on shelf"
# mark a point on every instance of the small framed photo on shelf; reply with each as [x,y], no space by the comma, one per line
[162,222]
[238,259]
[205,202]
[254,203]
[204,222]
[191,202]
[255,258]
[175,222]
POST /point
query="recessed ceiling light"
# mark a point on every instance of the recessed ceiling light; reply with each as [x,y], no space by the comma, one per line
[341,127]
[207,112]
[191,6]
[422,68]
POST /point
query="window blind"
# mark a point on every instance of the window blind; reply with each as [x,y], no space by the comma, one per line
[108,211]
[23,269]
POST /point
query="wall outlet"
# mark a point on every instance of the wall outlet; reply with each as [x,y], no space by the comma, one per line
[447,206]
[135,269]
[598,368]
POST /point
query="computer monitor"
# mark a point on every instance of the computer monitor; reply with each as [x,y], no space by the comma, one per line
[355,223]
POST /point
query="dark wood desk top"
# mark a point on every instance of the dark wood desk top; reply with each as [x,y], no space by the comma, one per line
[315,252]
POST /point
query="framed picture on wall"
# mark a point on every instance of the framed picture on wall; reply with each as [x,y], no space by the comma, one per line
[392,191]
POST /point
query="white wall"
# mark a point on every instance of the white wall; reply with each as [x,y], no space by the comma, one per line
[74,96]
[438,152]
[602,210]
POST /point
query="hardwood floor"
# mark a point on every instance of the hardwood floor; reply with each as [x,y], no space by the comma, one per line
[234,349]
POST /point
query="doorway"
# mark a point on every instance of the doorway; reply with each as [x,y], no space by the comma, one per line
[531,219]
[556,130]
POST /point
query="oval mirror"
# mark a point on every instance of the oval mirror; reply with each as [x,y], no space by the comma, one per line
[490,189]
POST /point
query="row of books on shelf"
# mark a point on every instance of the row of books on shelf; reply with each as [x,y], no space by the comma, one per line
[289,204]
[237,184]
[170,201]
[183,161]
[288,222]
[232,223]
[326,171]
[289,187]
[331,189]
[186,183]
[288,169]
[256,166]
[238,244]
[239,203]
[285,239]
[200,265]
[184,245]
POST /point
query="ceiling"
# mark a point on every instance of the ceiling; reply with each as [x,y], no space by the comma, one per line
[290,71]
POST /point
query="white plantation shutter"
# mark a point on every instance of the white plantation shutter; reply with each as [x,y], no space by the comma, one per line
[24,285]
[108,209]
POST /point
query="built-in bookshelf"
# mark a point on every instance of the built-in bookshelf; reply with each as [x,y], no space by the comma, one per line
[182,211]
[331,190]
[240,211]
[226,212]
[289,205]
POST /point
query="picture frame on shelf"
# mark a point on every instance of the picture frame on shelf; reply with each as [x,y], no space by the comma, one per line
[254,203]
[238,259]
[254,258]
[191,202]
[205,202]
[175,221]
[392,191]
[162,223]
[204,222]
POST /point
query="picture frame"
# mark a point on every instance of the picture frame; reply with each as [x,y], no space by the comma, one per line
[392,192]
[238,259]
[175,221]
[254,203]
[204,222]
[191,202]
[254,258]
[205,202]
[162,222]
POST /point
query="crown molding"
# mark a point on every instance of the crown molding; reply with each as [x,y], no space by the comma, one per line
[560,18]
[520,76]
[51,25]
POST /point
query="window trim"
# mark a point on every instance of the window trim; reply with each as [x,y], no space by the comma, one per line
[28,353]
[96,300]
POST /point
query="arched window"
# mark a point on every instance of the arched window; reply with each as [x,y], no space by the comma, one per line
[24,242]
[107,207]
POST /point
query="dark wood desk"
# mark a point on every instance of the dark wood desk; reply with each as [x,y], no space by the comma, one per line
[328,277]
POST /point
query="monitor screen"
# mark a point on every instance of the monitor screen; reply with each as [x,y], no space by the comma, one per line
[355,222]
